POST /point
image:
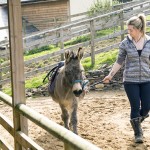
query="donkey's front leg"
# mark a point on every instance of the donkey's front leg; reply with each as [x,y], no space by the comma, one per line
[73,118]
[65,116]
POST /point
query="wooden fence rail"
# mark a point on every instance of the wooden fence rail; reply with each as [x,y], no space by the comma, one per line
[71,140]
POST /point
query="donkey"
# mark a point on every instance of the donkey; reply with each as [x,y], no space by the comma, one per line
[69,88]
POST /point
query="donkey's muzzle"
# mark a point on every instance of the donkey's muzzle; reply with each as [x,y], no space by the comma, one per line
[77,92]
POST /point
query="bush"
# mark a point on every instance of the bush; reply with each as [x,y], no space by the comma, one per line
[77,40]
[1,60]
[99,7]
[37,50]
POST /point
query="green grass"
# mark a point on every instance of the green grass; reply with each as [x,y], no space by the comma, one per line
[35,55]
[107,31]
[35,81]
[85,38]
[77,40]
[148,29]
[148,18]
[41,49]
[1,60]
[7,90]
[100,59]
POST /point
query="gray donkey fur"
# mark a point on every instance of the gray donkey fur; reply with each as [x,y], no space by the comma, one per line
[69,88]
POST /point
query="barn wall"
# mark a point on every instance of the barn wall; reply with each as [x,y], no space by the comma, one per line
[44,15]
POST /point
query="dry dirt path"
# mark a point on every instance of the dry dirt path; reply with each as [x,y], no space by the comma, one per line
[103,119]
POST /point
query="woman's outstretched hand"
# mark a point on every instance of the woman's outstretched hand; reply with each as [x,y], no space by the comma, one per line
[107,79]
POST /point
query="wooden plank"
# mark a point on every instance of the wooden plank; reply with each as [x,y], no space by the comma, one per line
[122,24]
[2,28]
[5,56]
[17,66]
[0,76]
[4,69]
[92,29]
[128,4]
[4,81]
[23,139]
[127,15]
[110,36]
[6,76]
[55,129]
[53,39]
[27,142]
[108,48]
[7,124]
[47,68]
[4,145]
[105,49]
[62,43]
[109,23]
[6,99]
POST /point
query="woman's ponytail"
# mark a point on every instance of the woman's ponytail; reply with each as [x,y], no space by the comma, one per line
[142,17]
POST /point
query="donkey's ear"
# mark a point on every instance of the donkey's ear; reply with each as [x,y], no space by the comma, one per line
[67,55]
[80,53]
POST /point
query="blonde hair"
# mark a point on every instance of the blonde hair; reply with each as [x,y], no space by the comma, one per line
[138,22]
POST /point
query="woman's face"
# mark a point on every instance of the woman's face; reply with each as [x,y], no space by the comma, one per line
[134,32]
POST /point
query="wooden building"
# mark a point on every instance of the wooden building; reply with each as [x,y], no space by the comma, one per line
[42,14]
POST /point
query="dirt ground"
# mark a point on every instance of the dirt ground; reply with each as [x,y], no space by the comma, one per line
[103,119]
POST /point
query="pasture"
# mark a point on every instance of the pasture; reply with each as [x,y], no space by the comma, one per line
[103,119]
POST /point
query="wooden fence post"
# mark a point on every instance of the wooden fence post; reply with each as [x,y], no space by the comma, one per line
[62,43]
[121,19]
[17,67]
[92,30]
[122,24]
[0,77]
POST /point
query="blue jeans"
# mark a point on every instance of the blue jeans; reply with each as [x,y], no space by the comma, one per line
[139,97]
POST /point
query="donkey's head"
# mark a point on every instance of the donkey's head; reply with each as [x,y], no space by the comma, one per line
[74,71]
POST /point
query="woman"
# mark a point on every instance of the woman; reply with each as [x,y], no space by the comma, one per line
[134,50]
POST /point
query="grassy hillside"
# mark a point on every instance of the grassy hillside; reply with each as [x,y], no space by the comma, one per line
[37,81]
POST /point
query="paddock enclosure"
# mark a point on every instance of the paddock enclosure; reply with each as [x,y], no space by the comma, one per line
[16,73]
[103,120]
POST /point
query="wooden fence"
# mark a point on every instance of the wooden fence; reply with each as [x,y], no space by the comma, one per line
[89,27]
[71,140]
[20,112]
